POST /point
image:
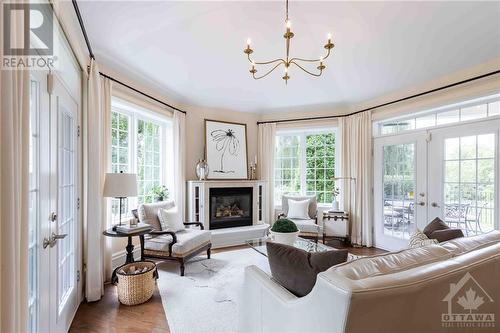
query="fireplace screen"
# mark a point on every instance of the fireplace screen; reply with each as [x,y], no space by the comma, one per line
[230,207]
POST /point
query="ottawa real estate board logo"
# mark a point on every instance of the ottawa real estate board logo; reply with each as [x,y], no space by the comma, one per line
[469,305]
[28,35]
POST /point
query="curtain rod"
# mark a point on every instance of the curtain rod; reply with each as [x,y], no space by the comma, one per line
[142,93]
[384,104]
[92,56]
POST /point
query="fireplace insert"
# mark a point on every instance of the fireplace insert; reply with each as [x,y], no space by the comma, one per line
[231,207]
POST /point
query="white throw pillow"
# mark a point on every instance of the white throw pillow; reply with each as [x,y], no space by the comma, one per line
[419,239]
[298,209]
[170,219]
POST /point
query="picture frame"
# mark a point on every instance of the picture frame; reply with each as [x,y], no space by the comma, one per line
[226,150]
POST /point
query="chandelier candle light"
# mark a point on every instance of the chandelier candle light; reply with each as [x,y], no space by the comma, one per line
[287,61]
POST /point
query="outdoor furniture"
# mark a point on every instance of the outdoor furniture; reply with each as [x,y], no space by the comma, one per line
[308,228]
[179,246]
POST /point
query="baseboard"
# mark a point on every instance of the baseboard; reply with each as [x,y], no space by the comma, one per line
[118,258]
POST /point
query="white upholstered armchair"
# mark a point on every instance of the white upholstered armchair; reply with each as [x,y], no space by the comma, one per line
[163,244]
[308,226]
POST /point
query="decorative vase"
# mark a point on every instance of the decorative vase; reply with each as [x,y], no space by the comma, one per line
[335,205]
[287,238]
[202,169]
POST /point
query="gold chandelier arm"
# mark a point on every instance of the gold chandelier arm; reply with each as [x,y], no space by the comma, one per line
[265,62]
[311,60]
[305,70]
[269,72]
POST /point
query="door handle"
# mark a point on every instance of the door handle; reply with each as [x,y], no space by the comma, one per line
[56,237]
[53,240]
[421,203]
[434,204]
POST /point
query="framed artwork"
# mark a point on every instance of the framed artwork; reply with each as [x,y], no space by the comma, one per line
[226,149]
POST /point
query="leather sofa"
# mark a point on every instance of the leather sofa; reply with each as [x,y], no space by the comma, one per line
[412,290]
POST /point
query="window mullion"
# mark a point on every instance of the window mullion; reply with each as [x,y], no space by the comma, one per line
[303,164]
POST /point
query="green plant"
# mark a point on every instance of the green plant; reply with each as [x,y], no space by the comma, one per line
[160,192]
[284,225]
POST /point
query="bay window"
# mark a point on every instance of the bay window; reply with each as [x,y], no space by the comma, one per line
[139,140]
[305,164]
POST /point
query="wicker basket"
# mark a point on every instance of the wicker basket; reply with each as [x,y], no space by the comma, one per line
[138,288]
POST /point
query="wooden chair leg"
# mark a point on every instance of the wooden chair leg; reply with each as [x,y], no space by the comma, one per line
[181,261]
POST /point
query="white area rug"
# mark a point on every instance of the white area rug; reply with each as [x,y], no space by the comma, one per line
[206,298]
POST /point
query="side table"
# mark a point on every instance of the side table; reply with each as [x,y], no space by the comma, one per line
[129,248]
[335,216]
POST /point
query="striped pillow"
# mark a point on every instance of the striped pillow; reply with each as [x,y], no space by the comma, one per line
[419,239]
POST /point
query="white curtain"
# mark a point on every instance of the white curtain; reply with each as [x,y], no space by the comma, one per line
[97,143]
[265,162]
[356,162]
[14,198]
[179,134]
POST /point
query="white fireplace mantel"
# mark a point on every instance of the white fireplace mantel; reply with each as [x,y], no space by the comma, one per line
[198,193]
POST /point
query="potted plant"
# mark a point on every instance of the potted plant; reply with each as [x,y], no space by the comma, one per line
[335,202]
[160,192]
[284,231]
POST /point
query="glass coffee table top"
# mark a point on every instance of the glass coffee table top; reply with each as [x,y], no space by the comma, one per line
[259,245]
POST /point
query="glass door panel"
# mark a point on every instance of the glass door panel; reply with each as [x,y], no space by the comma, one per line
[469,182]
[399,189]
[463,178]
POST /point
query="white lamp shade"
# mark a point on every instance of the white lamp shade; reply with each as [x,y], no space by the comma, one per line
[120,185]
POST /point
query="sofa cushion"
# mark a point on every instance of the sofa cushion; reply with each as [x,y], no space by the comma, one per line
[436,224]
[419,239]
[466,244]
[306,225]
[148,213]
[187,241]
[296,269]
[392,262]
[446,235]
[313,204]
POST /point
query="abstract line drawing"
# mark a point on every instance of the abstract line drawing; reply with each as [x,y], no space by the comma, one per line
[226,142]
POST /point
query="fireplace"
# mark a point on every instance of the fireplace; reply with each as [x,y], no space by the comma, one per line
[230,207]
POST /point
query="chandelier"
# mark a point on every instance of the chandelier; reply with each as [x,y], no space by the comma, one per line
[287,61]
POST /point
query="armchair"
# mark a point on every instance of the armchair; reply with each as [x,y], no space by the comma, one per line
[179,246]
[308,228]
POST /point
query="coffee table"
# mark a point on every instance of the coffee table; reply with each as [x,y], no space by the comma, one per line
[259,245]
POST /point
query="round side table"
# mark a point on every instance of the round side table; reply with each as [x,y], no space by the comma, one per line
[129,248]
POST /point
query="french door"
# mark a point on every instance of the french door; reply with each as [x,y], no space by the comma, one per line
[463,182]
[399,188]
[449,172]
[54,220]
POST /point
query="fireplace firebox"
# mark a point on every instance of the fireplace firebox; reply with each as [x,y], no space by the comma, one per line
[231,207]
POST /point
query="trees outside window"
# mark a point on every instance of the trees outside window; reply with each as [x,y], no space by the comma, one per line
[305,164]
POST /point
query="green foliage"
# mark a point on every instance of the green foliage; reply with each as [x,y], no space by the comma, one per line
[284,225]
[160,192]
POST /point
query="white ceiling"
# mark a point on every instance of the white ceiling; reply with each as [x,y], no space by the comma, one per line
[193,51]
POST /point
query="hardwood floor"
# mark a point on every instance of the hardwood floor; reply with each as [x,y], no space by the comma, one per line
[108,315]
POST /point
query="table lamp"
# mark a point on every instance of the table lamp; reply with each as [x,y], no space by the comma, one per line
[120,185]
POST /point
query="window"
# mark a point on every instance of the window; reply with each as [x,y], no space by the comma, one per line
[305,164]
[138,145]
[470,110]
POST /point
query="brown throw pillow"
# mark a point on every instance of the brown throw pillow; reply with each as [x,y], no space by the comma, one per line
[296,269]
[446,235]
[436,224]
